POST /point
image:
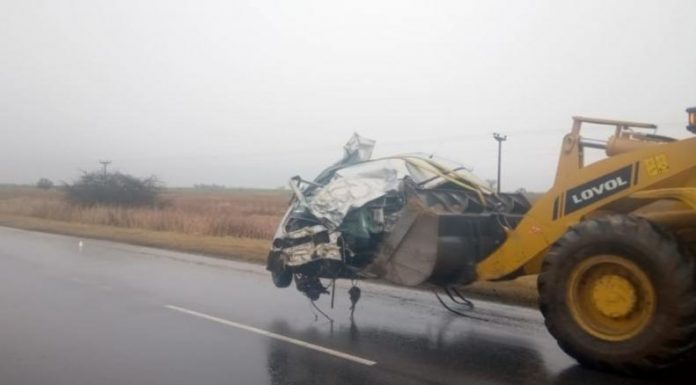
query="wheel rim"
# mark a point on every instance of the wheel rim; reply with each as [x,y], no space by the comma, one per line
[610,297]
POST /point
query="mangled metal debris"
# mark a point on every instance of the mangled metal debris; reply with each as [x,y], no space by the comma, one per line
[408,219]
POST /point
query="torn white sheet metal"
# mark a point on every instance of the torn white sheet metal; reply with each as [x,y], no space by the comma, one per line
[427,171]
[359,148]
[309,251]
[354,186]
[342,194]
[384,168]
[305,232]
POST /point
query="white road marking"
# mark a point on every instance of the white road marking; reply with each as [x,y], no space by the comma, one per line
[262,332]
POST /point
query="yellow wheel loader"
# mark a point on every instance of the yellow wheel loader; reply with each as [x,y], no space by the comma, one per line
[613,242]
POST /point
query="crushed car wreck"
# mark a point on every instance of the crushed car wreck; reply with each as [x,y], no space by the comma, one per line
[408,219]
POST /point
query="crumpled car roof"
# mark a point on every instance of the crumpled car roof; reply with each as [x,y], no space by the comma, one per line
[355,185]
[356,179]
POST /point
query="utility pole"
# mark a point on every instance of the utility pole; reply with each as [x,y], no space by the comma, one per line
[500,139]
[105,163]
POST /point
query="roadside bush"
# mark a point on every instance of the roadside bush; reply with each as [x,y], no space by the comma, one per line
[113,189]
[44,184]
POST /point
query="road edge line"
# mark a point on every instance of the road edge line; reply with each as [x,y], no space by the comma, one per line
[280,337]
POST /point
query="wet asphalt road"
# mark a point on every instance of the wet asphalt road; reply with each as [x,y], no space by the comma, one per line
[107,314]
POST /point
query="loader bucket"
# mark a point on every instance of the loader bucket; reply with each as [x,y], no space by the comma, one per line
[408,255]
[438,246]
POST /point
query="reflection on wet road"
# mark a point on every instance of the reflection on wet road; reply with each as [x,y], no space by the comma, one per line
[99,315]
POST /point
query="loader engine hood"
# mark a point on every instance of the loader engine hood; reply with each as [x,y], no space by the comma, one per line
[403,218]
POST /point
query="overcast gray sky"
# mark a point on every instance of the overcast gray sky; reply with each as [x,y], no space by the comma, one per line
[251,92]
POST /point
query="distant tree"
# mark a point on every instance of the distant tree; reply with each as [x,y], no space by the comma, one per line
[44,184]
[113,189]
[209,187]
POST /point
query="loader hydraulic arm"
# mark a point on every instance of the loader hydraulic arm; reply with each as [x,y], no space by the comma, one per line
[636,162]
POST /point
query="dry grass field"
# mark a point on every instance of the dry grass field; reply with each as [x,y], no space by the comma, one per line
[236,213]
[225,223]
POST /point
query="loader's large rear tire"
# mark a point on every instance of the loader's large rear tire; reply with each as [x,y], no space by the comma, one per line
[619,294]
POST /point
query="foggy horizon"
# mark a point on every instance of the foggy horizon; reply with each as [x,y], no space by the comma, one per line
[250,93]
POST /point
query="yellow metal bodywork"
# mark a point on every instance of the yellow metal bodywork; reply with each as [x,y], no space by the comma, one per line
[655,171]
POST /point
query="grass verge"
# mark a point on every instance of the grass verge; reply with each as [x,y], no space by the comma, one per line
[247,249]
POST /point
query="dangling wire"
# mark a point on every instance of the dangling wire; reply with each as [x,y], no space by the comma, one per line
[456,311]
[314,305]
[314,313]
[354,293]
[333,292]
[461,300]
